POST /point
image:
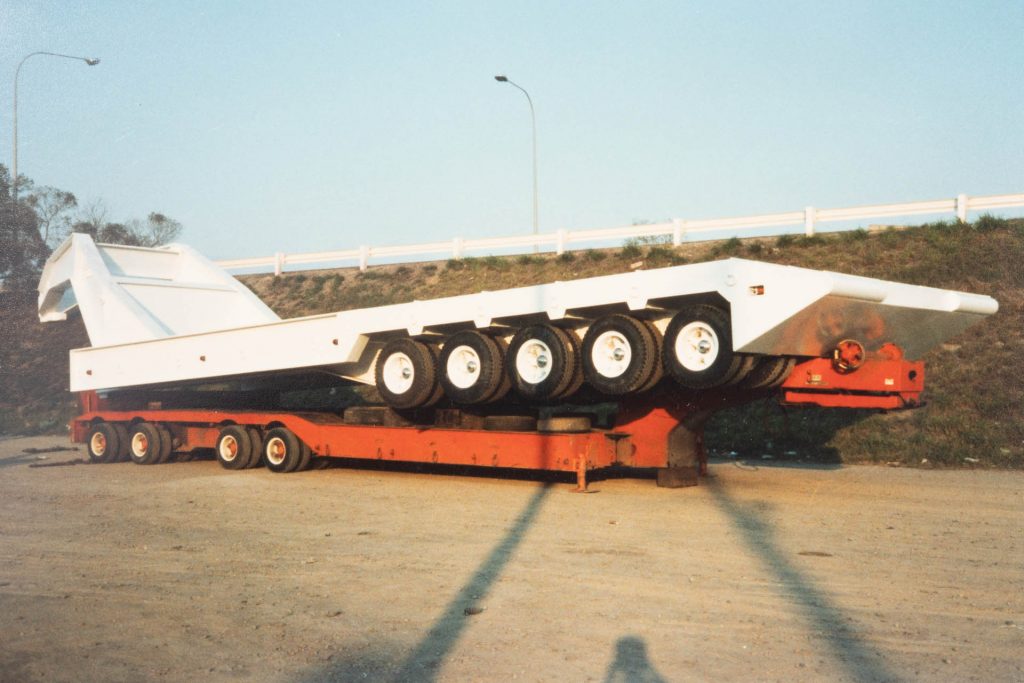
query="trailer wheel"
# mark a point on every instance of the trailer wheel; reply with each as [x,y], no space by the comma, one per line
[543,362]
[746,366]
[659,367]
[766,371]
[256,454]
[283,451]
[620,355]
[144,444]
[406,374]
[305,457]
[234,447]
[123,441]
[103,443]
[698,348]
[472,367]
[166,444]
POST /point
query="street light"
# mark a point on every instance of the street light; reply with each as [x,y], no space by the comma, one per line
[91,61]
[533,120]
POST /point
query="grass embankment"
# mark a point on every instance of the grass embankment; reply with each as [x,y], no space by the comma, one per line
[974,387]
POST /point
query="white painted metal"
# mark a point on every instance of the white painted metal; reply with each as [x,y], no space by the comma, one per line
[611,354]
[131,294]
[776,310]
[675,230]
[275,450]
[533,361]
[697,346]
[463,367]
[398,373]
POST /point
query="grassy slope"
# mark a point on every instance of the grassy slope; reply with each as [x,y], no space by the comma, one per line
[974,384]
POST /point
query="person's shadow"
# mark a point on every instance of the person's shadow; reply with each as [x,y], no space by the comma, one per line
[631,664]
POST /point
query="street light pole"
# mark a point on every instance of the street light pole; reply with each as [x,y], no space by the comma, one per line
[533,122]
[91,61]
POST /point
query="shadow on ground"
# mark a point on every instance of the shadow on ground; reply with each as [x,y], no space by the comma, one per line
[824,618]
[424,661]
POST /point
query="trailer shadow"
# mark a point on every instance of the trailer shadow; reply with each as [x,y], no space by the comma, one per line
[423,662]
[847,647]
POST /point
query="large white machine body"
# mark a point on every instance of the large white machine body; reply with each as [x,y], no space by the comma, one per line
[168,314]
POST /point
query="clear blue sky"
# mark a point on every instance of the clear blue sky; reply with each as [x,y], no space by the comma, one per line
[310,126]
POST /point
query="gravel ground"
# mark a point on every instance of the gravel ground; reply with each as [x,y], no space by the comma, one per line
[186,572]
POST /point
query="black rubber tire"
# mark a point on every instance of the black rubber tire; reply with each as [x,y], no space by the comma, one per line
[282,450]
[643,361]
[122,438]
[144,440]
[766,370]
[722,368]
[490,370]
[424,389]
[305,457]
[746,366]
[566,425]
[103,443]
[233,448]
[659,366]
[256,440]
[166,444]
[510,423]
[783,374]
[564,361]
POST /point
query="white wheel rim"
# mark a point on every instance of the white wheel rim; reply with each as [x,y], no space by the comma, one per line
[228,449]
[140,444]
[399,373]
[697,346]
[276,450]
[611,354]
[533,361]
[98,444]
[463,367]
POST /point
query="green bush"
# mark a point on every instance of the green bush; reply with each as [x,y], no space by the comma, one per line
[989,223]
[630,251]
[594,255]
[456,264]
[566,257]
[783,241]
[659,253]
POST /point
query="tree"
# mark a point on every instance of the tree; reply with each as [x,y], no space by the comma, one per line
[35,225]
[53,209]
[22,249]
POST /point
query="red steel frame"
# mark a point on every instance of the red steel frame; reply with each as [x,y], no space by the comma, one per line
[663,429]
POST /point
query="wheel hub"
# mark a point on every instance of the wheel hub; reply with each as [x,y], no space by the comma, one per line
[697,346]
[398,373]
[612,354]
[533,361]
[463,367]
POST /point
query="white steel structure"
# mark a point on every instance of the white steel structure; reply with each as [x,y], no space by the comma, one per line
[169,315]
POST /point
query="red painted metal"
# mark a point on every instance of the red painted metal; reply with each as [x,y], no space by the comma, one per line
[886,382]
[660,429]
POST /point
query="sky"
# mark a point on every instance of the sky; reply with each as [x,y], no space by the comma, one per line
[295,126]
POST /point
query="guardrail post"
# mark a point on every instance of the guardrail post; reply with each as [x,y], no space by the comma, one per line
[961,208]
[364,257]
[809,216]
[457,248]
[678,230]
[278,263]
[560,244]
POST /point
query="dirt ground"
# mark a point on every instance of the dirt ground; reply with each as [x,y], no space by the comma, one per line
[186,572]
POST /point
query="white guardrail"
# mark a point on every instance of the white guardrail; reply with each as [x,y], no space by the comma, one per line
[678,229]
